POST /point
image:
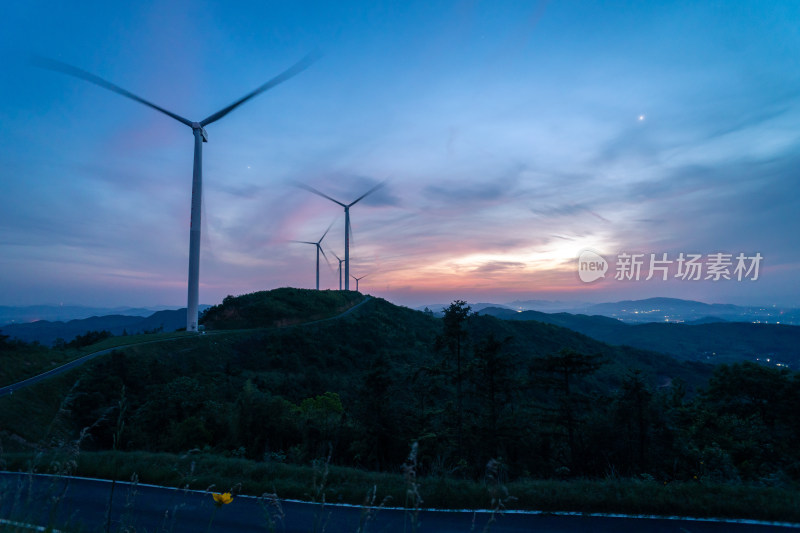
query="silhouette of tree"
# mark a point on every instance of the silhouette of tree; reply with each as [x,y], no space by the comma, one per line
[561,372]
[455,317]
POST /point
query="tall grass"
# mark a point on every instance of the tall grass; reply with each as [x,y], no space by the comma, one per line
[348,485]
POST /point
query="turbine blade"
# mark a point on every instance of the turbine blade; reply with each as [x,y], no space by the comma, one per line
[58,66]
[305,242]
[309,188]
[325,256]
[372,190]
[333,270]
[326,232]
[292,71]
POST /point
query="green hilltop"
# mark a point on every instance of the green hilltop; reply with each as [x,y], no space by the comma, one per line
[278,307]
[284,376]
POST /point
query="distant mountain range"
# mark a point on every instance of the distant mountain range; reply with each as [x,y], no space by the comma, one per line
[716,342]
[438,309]
[547,306]
[47,332]
[675,310]
[653,310]
[683,328]
[32,313]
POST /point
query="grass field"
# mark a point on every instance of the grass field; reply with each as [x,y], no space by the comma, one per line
[347,485]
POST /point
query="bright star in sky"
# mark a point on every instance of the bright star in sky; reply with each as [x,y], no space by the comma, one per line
[503,130]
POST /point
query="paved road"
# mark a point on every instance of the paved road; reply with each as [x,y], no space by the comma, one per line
[81,504]
[9,389]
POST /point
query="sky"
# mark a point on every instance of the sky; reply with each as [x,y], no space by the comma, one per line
[510,137]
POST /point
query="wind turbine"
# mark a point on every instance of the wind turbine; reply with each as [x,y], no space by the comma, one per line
[357,279]
[346,224]
[318,244]
[340,269]
[200,136]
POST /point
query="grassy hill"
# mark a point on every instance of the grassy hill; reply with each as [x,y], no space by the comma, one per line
[380,356]
[278,307]
[273,382]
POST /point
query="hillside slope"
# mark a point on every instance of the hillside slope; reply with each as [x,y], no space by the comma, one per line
[266,381]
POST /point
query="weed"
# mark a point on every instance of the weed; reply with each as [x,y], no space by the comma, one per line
[127,521]
[495,482]
[369,511]
[413,498]
[321,472]
[273,510]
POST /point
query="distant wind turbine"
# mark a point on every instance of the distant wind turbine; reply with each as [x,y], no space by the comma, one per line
[318,244]
[340,269]
[200,136]
[346,224]
[357,280]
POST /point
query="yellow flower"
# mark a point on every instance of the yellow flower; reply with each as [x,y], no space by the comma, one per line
[222,499]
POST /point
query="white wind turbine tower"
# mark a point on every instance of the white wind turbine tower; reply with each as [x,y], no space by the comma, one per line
[318,244]
[340,269]
[358,279]
[346,224]
[200,136]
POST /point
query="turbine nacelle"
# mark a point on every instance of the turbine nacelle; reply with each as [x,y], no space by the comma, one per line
[199,127]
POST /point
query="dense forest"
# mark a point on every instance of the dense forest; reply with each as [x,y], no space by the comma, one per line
[542,400]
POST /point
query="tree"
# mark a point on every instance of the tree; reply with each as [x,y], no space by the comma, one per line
[4,345]
[172,414]
[264,424]
[322,418]
[635,416]
[455,317]
[749,414]
[748,390]
[493,375]
[89,338]
[560,373]
[378,410]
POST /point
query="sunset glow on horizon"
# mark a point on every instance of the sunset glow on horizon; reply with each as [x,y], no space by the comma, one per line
[510,136]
